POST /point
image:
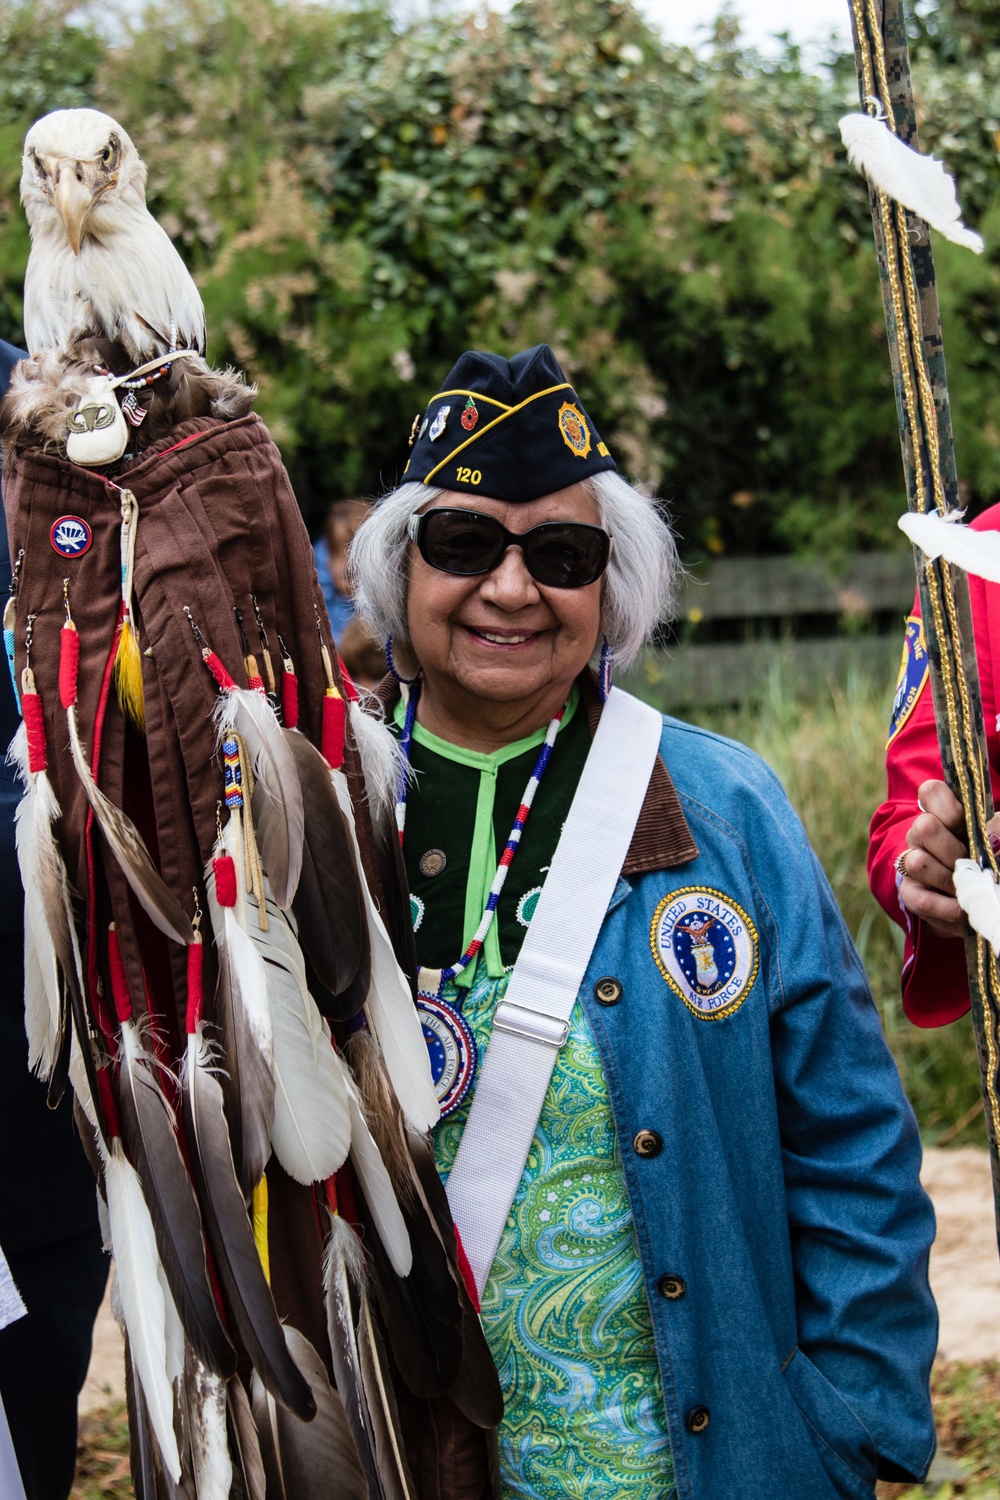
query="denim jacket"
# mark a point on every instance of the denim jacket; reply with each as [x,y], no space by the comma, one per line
[770,1155]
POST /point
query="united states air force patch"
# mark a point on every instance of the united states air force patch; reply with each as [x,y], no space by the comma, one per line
[707,950]
[913,671]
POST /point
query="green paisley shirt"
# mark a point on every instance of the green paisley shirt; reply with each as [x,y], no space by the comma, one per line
[564,1309]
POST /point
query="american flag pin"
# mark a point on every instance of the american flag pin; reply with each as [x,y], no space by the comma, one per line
[135,413]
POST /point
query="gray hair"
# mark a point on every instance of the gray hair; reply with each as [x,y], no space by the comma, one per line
[639,585]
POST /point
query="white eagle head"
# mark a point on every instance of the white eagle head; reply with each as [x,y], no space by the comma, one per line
[79,171]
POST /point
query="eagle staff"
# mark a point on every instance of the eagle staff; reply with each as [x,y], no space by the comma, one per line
[909,192]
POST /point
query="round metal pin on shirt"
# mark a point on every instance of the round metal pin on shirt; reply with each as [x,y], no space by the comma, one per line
[432,862]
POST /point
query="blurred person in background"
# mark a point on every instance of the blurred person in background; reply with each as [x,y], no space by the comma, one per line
[330,549]
[918,832]
[48,1206]
[361,654]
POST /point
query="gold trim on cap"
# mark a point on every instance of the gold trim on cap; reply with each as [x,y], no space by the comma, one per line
[509,412]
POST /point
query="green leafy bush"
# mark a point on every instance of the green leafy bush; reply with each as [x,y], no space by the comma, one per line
[361,200]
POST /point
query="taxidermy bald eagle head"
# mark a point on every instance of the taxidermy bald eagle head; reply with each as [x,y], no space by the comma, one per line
[100,264]
[105,293]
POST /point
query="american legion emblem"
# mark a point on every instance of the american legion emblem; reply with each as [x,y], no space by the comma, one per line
[707,950]
[574,429]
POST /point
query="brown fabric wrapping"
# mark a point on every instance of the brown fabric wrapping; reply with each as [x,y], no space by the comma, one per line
[218,527]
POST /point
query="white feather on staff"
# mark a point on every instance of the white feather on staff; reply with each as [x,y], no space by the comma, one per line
[920,183]
[979,897]
[140,1293]
[390,1010]
[976,552]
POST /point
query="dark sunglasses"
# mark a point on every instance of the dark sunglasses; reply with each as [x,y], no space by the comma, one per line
[557,554]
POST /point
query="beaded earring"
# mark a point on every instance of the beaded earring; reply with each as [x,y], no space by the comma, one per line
[390,663]
[604,670]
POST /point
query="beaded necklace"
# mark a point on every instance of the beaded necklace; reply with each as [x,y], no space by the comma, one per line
[449,1039]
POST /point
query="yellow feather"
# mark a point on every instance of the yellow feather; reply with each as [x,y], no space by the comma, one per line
[128,676]
[260,1226]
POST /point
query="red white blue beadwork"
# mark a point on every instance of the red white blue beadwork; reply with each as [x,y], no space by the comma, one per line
[425,997]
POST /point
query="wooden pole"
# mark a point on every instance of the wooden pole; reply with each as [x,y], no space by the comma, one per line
[913,323]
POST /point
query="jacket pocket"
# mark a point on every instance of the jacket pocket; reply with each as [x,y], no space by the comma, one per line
[842,1441]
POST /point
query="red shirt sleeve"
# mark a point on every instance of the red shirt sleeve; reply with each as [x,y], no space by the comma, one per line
[934,983]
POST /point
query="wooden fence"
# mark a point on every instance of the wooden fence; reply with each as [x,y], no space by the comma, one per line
[740,617]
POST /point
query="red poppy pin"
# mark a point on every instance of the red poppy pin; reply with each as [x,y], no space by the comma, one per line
[470,415]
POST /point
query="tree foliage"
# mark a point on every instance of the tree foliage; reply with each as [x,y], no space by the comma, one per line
[360,201]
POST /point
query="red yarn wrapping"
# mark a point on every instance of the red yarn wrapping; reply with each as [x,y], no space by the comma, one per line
[347,1202]
[466,1270]
[195,959]
[349,687]
[330,1193]
[69,664]
[290,699]
[334,721]
[34,724]
[108,1106]
[218,671]
[119,983]
[225,879]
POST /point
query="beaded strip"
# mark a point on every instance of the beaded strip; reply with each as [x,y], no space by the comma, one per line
[510,848]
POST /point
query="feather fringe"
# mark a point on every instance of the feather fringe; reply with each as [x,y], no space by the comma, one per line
[307,1456]
[277,798]
[49,929]
[128,848]
[211,1465]
[390,1009]
[382,761]
[918,182]
[311,1131]
[979,897]
[137,1270]
[128,676]
[375,1183]
[243,1015]
[976,552]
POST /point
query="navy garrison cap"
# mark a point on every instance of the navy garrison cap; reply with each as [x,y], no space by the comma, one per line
[510,429]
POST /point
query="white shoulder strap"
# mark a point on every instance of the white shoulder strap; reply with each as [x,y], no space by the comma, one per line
[531,1023]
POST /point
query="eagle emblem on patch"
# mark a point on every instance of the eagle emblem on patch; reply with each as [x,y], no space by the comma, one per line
[573,426]
[707,949]
[913,670]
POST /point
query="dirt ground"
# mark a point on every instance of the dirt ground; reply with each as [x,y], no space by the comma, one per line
[965,1274]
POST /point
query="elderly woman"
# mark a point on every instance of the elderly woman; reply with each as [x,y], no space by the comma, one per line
[675,1144]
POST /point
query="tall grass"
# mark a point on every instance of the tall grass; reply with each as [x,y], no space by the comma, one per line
[829,750]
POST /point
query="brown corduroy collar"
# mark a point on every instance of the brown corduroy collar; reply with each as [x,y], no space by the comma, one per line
[662,838]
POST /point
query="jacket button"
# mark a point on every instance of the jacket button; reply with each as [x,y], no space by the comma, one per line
[607,991]
[697,1419]
[648,1143]
[672,1287]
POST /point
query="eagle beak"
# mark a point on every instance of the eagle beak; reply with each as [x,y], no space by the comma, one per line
[73,198]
